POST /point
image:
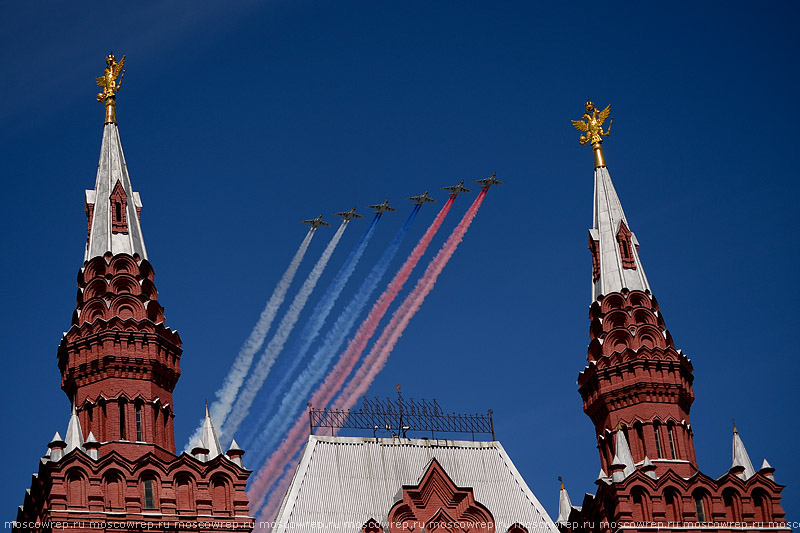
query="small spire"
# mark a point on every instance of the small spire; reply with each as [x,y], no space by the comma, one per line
[623,455]
[210,439]
[767,469]
[56,446]
[649,468]
[564,504]
[92,447]
[235,453]
[74,436]
[741,461]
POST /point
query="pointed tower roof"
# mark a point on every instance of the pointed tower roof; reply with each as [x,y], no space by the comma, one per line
[614,247]
[210,439]
[564,505]
[112,206]
[74,438]
[623,455]
[740,457]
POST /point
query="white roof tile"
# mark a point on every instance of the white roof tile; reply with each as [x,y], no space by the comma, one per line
[353,479]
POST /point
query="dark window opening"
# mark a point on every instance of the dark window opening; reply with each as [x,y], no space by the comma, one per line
[149,494]
[659,453]
[701,508]
[122,433]
[139,436]
[672,442]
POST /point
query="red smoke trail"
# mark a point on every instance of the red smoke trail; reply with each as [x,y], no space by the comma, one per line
[376,359]
[274,465]
[271,509]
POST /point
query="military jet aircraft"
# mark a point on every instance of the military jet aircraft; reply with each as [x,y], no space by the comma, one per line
[455,189]
[315,222]
[421,199]
[349,215]
[380,208]
[488,182]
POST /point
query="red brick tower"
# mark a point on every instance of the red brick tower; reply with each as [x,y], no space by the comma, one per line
[637,389]
[119,364]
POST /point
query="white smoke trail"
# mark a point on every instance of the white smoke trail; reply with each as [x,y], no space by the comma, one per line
[273,349]
[226,394]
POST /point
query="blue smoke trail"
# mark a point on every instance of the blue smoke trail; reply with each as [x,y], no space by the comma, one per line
[315,323]
[294,400]
[261,369]
[226,394]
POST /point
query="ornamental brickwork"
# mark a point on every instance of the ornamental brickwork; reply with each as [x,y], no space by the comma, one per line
[117,466]
[637,390]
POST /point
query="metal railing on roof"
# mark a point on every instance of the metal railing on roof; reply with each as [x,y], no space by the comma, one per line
[399,417]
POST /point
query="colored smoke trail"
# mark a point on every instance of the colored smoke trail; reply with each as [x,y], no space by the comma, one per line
[226,394]
[315,323]
[376,359]
[270,511]
[293,401]
[270,470]
[273,349]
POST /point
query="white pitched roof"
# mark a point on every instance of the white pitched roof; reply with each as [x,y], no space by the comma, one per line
[353,479]
[607,216]
[740,456]
[110,170]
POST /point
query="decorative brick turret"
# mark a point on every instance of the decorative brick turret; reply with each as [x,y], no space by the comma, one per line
[637,390]
[119,363]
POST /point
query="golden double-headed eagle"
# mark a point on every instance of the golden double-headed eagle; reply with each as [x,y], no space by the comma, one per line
[593,125]
[108,81]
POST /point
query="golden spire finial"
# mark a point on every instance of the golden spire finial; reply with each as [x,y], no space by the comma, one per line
[561,481]
[108,82]
[594,130]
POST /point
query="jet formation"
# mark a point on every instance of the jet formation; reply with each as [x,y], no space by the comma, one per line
[421,199]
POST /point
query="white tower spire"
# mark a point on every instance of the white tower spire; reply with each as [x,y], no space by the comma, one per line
[112,207]
[615,249]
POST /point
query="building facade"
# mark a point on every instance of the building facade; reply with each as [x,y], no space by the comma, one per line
[637,390]
[117,467]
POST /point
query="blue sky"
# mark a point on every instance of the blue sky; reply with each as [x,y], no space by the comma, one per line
[237,121]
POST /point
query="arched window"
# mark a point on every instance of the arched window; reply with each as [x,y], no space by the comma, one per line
[672,447]
[139,423]
[184,493]
[123,434]
[673,504]
[517,528]
[625,246]
[657,432]
[112,491]
[701,504]
[763,506]
[640,435]
[76,490]
[640,504]
[149,496]
[733,508]
[219,494]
